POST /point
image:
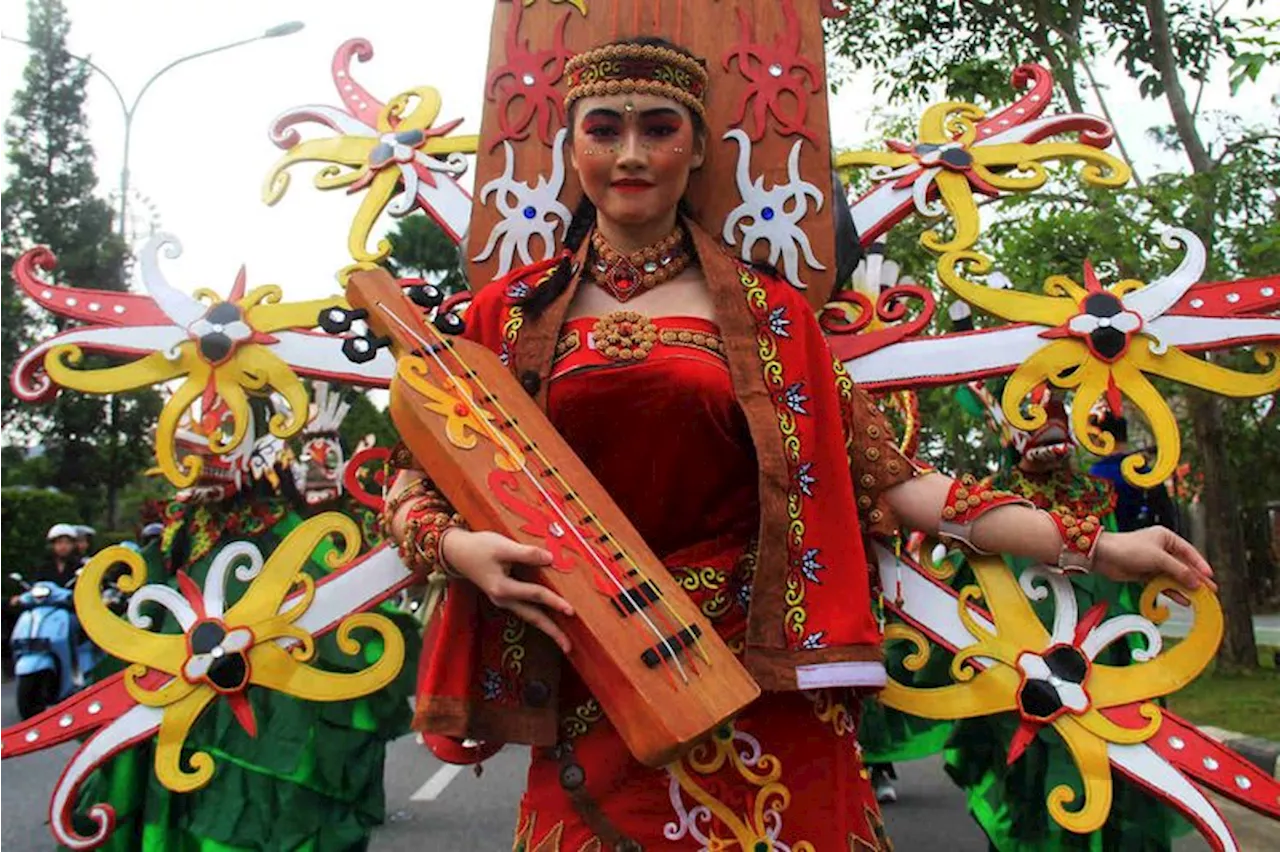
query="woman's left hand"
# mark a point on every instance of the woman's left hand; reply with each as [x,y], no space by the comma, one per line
[1139,555]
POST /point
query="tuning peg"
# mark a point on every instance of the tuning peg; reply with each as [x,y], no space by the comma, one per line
[449,323]
[339,320]
[360,350]
[425,296]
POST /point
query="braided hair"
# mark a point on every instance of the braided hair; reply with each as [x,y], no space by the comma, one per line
[584,215]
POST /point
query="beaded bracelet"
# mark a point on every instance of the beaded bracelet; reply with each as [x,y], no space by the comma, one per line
[1079,540]
[967,501]
[424,533]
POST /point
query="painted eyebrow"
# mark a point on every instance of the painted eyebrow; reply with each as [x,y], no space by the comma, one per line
[656,112]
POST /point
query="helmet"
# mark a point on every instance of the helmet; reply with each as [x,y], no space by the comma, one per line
[85,531]
[131,545]
[152,530]
[61,530]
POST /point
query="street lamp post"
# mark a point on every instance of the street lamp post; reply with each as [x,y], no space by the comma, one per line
[131,109]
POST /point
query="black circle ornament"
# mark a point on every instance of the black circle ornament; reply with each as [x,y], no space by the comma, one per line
[1106,340]
[956,158]
[206,636]
[1040,699]
[229,672]
[216,346]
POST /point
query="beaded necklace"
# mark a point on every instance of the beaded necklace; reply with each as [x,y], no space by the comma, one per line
[625,276]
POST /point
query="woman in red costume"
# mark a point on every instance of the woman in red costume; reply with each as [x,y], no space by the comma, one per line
[700,392]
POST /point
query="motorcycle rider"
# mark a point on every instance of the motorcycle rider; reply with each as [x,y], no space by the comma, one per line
[84,542]
[64,558]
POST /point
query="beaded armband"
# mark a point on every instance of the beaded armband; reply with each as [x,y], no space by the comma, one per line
[424,533]
[1079,540]
[426,522]
[968,500]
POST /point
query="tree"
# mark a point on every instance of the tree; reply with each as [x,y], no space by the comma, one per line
[92,443]
[420,248]
[1228,198]
[365,418]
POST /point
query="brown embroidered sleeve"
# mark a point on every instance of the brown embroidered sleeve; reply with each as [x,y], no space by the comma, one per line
[875,461]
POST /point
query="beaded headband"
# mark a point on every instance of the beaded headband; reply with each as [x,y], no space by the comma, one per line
[637,68]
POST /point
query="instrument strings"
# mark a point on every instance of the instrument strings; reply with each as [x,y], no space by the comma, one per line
[571,494]
[501,441]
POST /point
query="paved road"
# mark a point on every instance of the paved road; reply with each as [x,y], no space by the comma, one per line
[1266,628]
[432,807]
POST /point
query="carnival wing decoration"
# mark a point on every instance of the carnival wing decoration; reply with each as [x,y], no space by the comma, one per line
[221,350]
[1005,660]
[961,150]
[379,149]
[264,640]
[1100,342]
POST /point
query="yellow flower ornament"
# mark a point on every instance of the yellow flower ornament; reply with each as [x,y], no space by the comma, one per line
[1007,661]
[962,151]
[1105,341]
[221,349]
[264,639]
[391,152]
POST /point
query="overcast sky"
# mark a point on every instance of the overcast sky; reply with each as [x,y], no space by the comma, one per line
[200,147]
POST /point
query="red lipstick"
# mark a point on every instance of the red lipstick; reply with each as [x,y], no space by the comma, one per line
[631,185]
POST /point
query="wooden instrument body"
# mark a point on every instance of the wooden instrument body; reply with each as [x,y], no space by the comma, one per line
[648,655]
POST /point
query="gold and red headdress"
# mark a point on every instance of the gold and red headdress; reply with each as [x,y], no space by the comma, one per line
[637,68]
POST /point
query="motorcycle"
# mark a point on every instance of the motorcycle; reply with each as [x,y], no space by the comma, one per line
[51,654]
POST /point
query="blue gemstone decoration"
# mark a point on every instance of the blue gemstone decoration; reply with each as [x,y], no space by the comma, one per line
[766,214]
[529,212]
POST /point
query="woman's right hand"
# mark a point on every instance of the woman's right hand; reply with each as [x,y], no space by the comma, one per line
[487,558]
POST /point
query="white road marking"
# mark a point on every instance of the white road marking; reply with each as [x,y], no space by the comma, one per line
[435,785]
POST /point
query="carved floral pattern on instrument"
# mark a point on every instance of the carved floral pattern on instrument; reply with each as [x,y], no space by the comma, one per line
[454,399]
[548,523]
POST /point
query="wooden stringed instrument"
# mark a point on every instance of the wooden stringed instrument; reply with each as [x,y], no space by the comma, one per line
[648,655]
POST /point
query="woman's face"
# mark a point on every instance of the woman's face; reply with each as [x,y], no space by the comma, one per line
[633,154]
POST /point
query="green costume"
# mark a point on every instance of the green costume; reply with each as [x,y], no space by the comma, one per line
[312,777]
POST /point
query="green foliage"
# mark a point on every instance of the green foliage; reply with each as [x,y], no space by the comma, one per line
[420,248]
[365,418]
[94,446]
[915,50]
[25,517]
[1254,49]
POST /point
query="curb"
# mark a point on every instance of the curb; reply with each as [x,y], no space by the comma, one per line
[1262,753]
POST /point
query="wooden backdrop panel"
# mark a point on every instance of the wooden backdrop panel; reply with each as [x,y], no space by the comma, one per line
[787,32]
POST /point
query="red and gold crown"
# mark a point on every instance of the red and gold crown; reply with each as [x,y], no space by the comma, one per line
[637,68]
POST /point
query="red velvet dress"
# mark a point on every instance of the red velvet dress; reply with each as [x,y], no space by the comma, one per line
[787,774]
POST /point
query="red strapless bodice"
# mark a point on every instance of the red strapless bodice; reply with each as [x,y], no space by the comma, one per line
[648,405]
